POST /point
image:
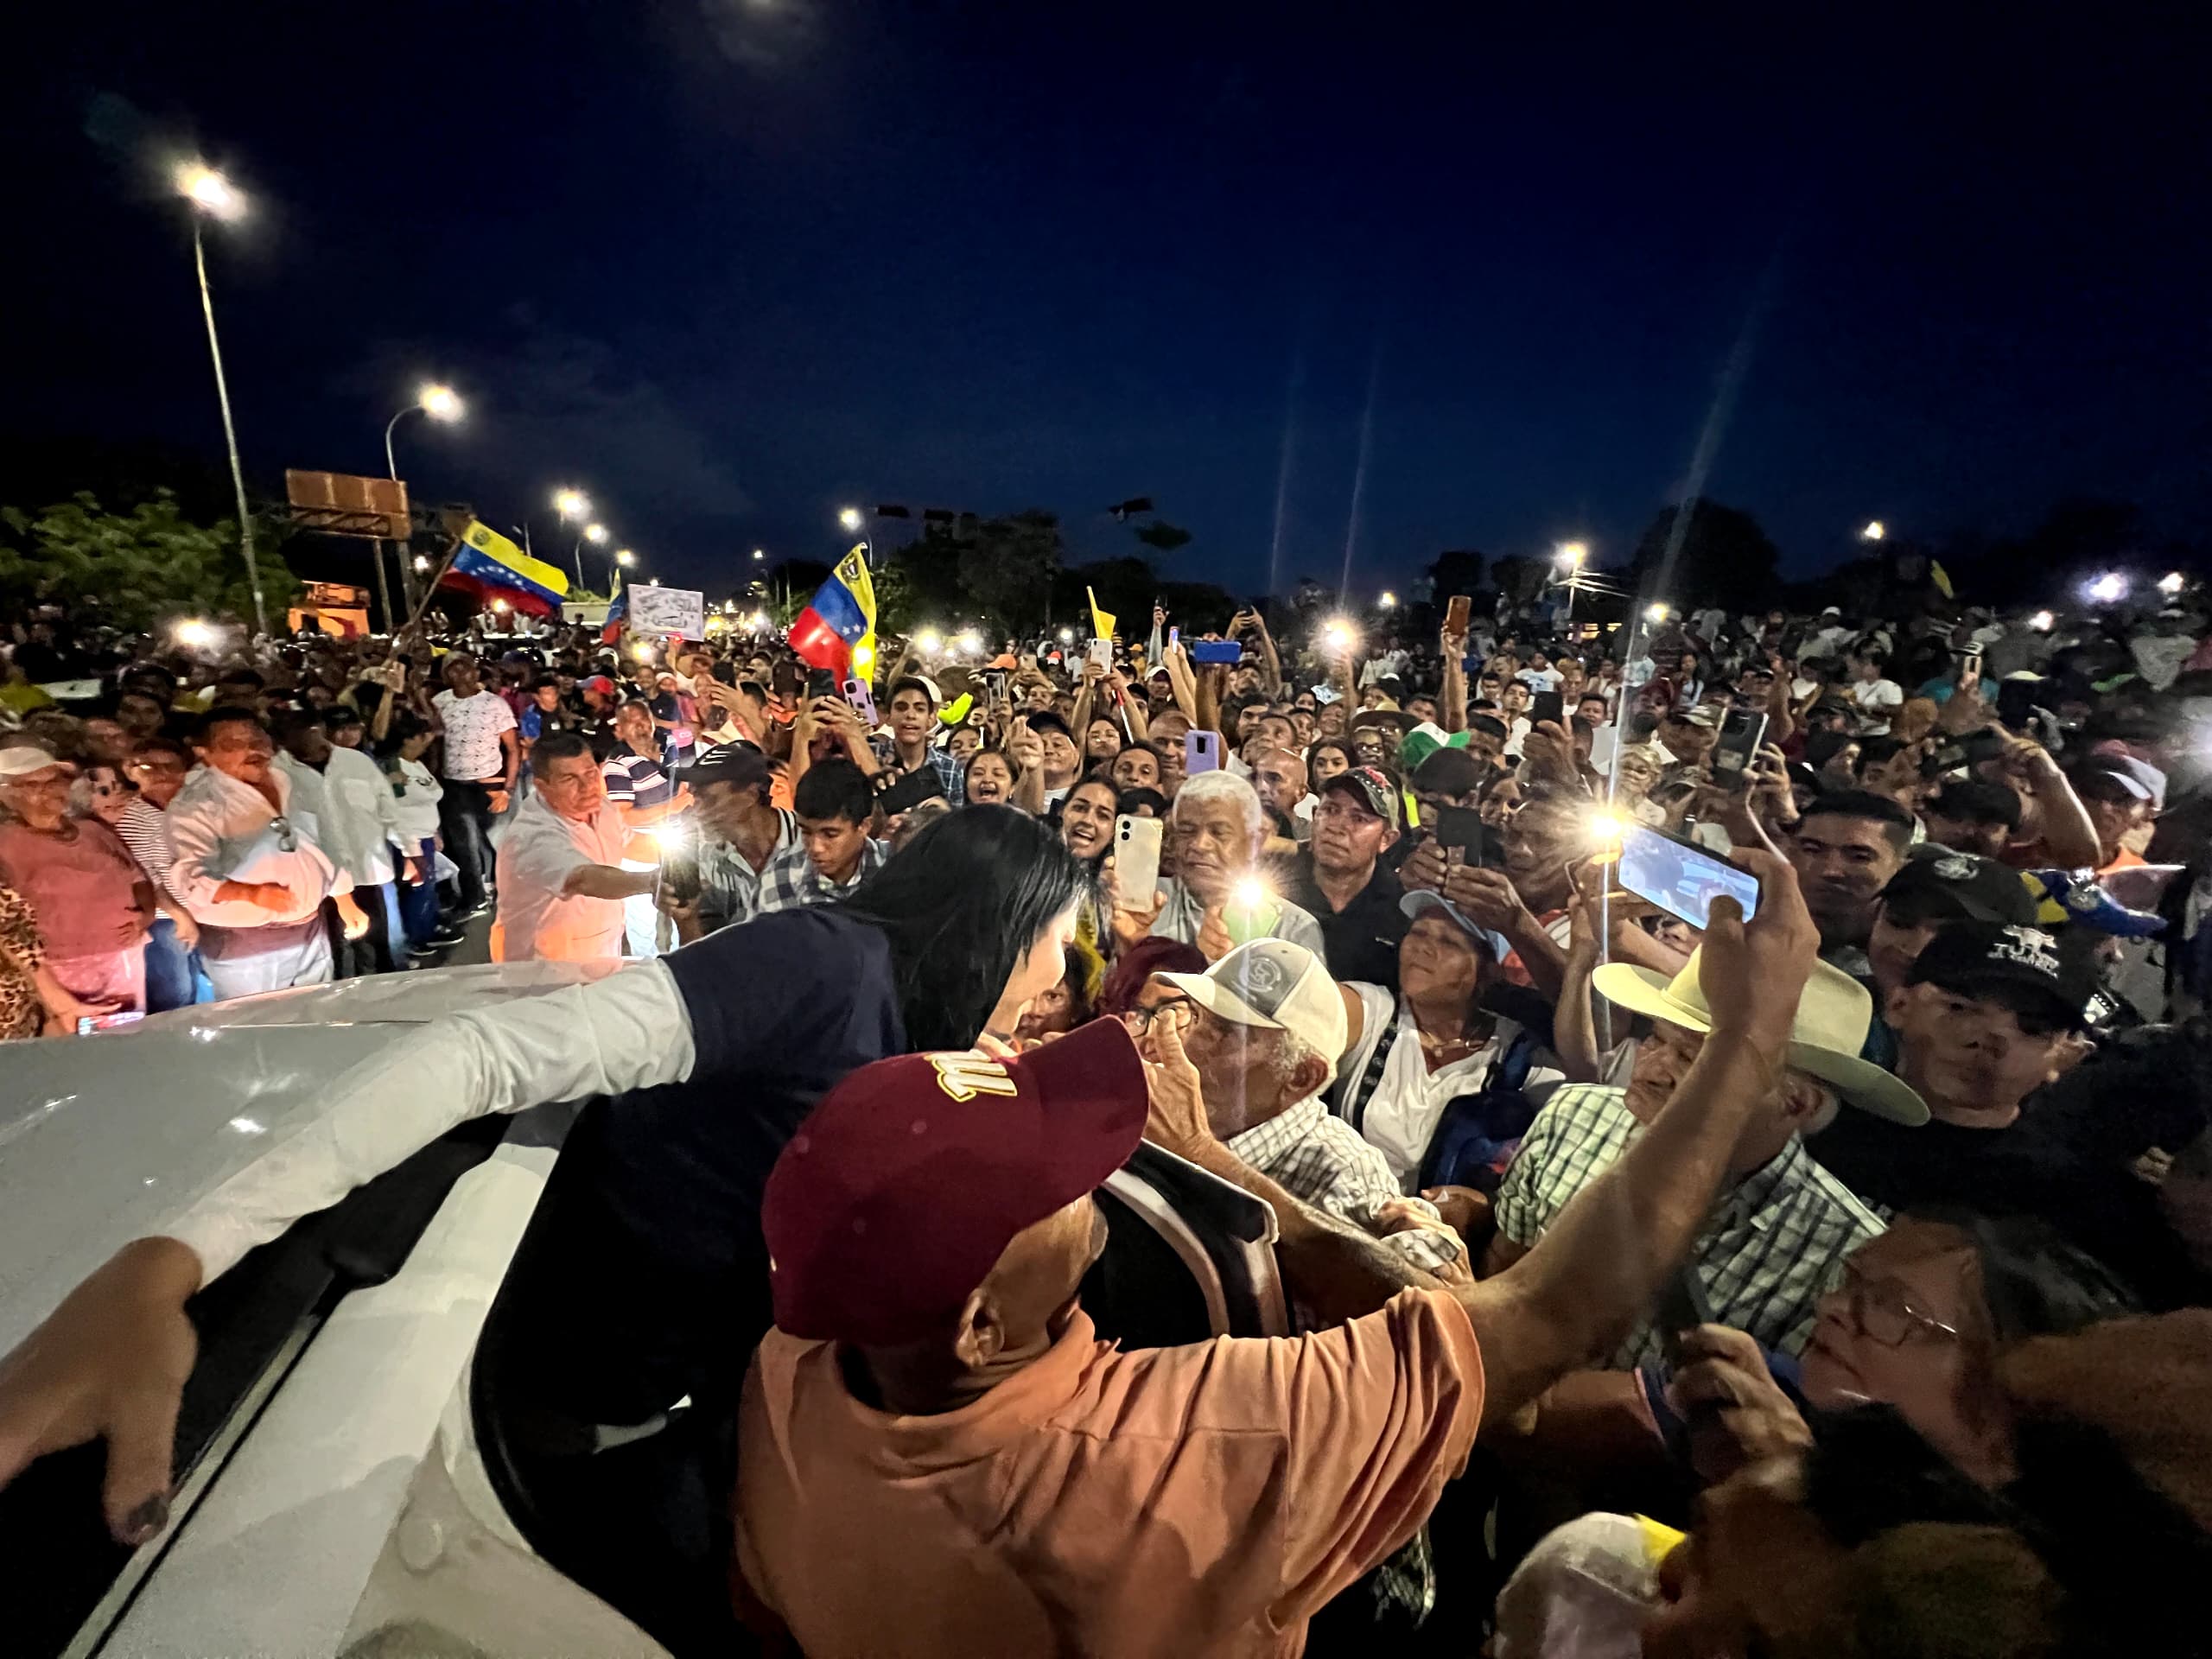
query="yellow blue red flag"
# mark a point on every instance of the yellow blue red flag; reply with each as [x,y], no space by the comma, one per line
[491,567]
[836,631]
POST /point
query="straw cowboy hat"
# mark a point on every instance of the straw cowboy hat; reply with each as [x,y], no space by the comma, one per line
[1832,1018]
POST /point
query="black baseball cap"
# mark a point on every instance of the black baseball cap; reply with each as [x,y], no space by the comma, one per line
[2027,968]
[1937,885]
[729,763]
[1373,790]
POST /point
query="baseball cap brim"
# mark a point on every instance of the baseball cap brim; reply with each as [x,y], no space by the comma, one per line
[1419,902]
[1861,1083]
[1217,998]
[25,760]
[2020,989]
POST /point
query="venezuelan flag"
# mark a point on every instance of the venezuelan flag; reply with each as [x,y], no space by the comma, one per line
[491,567]
[836,631]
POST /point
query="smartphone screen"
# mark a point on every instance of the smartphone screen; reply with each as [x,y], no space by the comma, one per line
[1680,879]
[1201,752]
[1137,861]
[1546,705]
[1175,636]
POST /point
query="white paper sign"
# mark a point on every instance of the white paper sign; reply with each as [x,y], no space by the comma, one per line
[668,610]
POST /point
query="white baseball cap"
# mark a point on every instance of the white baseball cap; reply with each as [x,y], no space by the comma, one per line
[1277,985]
[21,760]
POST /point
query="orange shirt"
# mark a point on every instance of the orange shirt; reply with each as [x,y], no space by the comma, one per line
[1178,1501]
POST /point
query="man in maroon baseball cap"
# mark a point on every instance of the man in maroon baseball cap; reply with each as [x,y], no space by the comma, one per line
[937,1455]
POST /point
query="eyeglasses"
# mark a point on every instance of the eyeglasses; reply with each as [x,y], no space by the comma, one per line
[1138,1020]
[1885,1313]
[288,838]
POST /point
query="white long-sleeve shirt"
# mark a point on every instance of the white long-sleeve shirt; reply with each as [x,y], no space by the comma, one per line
[361,819]
[216,824]
[628,1031]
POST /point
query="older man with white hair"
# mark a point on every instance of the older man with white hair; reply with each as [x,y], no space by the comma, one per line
[1217,900]
[1264,1027]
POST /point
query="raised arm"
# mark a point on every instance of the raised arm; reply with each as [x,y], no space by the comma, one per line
[1451,697]
[110,1362]
[1604,1257]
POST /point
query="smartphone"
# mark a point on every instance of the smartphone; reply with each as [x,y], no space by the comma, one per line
[1218,650]
[1137,861]
[1546,705]
[820,683]
[1460,827]
[1175,636]
[1734,756]
[1201,752]
[2016,701]
[1683,1306]
[995,685]
[88,1023]
[1456,611]
[784,678]
[862,698]
[1681,879]
[910,791]
[1250,916]
[1102,655]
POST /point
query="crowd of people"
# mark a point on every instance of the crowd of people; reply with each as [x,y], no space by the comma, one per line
[1803,1254]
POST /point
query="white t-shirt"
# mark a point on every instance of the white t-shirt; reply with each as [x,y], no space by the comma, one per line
[536,921]
[1875,699]
[1544,679]
[472,728]
[417,809]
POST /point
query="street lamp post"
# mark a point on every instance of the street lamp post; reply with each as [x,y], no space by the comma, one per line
[1571,554]
[441,403]
[573,504]
[209,192]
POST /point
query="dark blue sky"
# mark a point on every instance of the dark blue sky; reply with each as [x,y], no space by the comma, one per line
[729,264]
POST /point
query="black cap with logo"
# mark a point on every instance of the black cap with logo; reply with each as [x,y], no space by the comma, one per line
[1937,885]
[2023,967]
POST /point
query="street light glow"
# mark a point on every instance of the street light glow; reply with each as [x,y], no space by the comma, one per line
[970,641]
[193,634]
[930,642]
[759,554]
[1389,600]
[1655,613]
[571,504]
[625,558]
[2041,621]
[594,534]
[2170,584]
[1874,532]
[440,403]
[850,519]
[1571,554]
[2108,590]
[209,191]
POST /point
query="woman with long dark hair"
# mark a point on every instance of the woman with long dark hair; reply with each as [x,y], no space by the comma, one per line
[644,1282]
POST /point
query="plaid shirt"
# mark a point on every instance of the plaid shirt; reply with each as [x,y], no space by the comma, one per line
[729,888]
[789,880]
[1774,1245]
[1318,1157]
[950,772]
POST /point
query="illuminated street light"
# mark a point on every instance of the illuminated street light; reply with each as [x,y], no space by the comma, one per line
[625,557]
[1571,554]
[594,534]
[1655,613]
[1389,601]
[209,191]
[757,555]
[2170,584]
[2042,621]
[2107,589]
[850,519]
[652,581]
[930,642]
[193,634]
[1874,532]
[213,196]
[439,403]
[572,504]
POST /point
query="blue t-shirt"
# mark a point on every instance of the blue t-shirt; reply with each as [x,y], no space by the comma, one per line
[654,1282]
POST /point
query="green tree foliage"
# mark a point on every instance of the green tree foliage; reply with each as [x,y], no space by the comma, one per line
[1724,556]
[135,568]
[1459,571]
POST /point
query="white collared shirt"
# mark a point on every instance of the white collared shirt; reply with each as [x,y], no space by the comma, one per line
[220,829]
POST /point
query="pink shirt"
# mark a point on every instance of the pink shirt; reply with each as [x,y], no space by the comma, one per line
[536,921]
[81,887]
[1178,1501]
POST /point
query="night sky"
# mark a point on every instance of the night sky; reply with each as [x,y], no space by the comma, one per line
[728,264]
